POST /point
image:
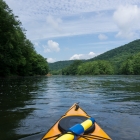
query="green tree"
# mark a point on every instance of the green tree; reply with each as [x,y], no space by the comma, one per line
[89,68]
[136,64]
[131,65]
[72,69]
[17,54]
[95,68]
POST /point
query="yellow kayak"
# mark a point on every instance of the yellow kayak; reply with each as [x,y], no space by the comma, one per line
[76,124]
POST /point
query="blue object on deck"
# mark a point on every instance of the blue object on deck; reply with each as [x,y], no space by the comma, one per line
[78,129]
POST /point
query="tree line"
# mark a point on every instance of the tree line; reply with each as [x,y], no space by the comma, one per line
[17,53]
[88,68]
[117,61]
[130,66]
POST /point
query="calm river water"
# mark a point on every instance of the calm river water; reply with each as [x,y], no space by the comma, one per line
[30,106]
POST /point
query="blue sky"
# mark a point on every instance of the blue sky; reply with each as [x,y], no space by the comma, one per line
[77,29]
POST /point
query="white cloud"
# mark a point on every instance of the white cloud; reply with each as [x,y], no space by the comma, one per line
[43,18]
[92,54]
[64,7]
[51,47]
[54,46]
[54,22]
[77,57]
[36,44]
[83,56]
[50,60]
[127,19]
[102,37]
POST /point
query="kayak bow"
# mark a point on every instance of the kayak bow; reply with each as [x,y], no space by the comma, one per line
[76,124]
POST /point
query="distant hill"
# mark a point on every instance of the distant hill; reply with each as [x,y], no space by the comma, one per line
[121,53]
[115,56]
[60,64]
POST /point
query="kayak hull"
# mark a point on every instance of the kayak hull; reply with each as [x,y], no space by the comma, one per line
[75,110]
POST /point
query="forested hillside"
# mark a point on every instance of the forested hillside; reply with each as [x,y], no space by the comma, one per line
[110,62]
[60,64]
[131,65]
[88,68]
[117,55]
[17,54]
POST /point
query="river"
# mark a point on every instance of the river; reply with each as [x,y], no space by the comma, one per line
[29,106]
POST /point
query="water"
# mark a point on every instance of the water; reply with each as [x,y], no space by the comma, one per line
[30,106]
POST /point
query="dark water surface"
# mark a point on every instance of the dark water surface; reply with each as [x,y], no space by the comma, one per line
[30,106]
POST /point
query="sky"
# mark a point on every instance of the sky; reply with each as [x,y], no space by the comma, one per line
[77,29]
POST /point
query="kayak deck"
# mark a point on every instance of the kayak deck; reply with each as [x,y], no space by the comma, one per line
[75,110]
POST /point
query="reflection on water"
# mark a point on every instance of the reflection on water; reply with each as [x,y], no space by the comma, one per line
[31,105]
[15,96]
